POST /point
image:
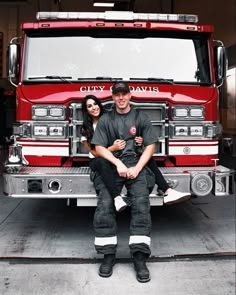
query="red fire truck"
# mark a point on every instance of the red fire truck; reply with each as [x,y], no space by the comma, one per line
[174,70]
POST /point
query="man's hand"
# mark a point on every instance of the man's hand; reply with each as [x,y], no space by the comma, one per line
[121,169]
[133,172]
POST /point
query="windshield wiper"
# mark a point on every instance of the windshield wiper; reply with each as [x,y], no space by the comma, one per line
[152,79]
[100,78]
[52,77]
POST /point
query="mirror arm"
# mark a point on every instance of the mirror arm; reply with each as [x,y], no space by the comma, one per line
[14,41]
[219,42]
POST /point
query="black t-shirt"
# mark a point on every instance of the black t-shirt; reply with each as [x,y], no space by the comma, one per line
[112,126]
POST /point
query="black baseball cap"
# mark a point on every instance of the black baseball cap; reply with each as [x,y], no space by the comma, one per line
[120,87]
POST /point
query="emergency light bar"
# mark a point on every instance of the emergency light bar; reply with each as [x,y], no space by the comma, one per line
[118,15]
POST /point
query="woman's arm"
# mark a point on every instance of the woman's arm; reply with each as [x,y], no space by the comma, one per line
[118,144]
[88,147]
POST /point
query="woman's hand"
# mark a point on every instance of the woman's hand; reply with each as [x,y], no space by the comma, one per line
[138,140]
[132,172]
[118,144]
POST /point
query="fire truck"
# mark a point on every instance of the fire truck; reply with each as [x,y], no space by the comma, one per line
[174,69]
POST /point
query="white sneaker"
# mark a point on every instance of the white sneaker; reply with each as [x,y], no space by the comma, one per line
[120,204]
[174,196]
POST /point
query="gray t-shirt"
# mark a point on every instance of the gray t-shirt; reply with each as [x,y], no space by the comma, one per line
[112,126]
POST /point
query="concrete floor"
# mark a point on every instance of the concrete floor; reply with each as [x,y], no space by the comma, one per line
[50,229]
[206,277]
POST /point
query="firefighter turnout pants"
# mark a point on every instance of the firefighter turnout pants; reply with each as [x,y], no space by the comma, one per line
[105,225]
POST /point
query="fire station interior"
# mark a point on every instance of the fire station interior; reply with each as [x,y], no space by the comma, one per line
[219,13]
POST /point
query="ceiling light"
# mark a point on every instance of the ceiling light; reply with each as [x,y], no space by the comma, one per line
[103,4]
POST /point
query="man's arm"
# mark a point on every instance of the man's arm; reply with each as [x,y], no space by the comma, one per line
[133,172]
[106,154]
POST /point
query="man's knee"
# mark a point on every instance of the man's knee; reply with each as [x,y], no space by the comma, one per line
[104,222]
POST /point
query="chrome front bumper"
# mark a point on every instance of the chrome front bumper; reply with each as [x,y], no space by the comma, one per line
[68,183]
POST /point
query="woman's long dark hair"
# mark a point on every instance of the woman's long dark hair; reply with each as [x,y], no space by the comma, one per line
[87,127]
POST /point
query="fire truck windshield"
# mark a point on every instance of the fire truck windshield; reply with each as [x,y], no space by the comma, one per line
[180,58]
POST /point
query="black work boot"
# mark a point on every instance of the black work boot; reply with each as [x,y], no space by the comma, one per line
[105,269]
[142,272]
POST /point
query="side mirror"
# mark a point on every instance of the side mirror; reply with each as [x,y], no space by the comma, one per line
[13,63]
[221,63]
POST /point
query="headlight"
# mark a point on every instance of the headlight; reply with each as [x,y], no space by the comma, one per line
[56,112]
[189,131]
[48,112]
[190,112]
[180,112]
[196,112]
[56,131]
[196,130]
[49,130]
[40,112]
[181,130]
[40,130]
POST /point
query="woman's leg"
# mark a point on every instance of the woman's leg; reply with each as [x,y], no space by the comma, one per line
[105,170]
[170,195]
[160,180]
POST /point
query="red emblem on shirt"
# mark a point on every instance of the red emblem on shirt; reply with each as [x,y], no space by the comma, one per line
[132,130]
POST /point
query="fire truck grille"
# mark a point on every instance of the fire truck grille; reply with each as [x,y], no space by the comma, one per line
[157,112]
